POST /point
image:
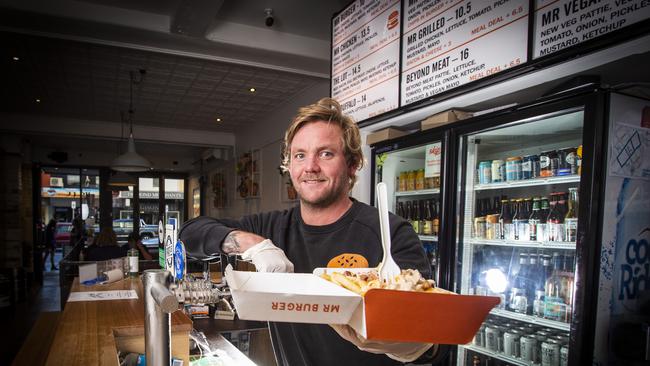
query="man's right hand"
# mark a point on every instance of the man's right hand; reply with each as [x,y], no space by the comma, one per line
[268,258]
[265,256]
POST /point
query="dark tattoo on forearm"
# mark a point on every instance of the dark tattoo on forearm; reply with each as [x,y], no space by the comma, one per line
[230,244]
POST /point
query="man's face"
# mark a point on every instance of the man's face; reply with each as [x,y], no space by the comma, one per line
[317,164]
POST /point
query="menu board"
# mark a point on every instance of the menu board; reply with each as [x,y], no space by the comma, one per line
[448,43]
[365,58]
[565,23]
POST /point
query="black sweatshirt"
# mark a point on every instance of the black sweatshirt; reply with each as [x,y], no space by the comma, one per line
[309,247]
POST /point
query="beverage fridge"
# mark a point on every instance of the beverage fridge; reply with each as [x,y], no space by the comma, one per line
[518,205]
[413,170]
[522,203]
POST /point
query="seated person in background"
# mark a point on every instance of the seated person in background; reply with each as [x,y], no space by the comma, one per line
[104,247]
[135,242]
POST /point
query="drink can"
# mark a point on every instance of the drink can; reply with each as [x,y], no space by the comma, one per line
[511,343]
[403,178]
[485,172]
[523,330]
[530,167]
[529,349]
[567,163]
[550,353]
[544,334]
[481,291]
[562,168]
[518,300]
[513,168]
[479,338]
[555,308]
[492,335]
[502,330]
[548,163]
[419,179]
[492,227]
[410,180]
[564,356]
[498,171]
[502,300]
[561,338]
[479,227]
[579,160]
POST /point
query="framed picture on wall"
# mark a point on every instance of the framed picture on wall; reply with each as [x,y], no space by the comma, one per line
[196,202]
[218,187]
[287,190]
[248,175]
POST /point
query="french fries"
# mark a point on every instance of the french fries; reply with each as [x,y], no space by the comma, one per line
[360,283]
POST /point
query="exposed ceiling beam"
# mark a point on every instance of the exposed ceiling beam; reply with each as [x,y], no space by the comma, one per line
[266,41]
[225,42]
[193,17]
[40,125]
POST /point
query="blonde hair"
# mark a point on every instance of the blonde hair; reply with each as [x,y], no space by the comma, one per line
[330,111]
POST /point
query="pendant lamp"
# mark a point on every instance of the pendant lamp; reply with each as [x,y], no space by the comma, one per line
[131,161]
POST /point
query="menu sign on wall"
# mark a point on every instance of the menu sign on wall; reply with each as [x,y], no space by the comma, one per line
[365,58]
[560,24]
[448,43]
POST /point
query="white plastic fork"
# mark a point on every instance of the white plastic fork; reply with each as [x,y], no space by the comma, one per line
[388,269]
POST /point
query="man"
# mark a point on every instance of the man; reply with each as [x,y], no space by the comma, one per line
[134,241]
[322,152]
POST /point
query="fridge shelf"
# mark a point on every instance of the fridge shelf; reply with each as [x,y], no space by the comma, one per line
[500,356]
[529,182]
[428,238]
[528,244]
[417,193]
[531,319]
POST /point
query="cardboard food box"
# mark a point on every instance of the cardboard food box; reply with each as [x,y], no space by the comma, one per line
[443,118]
[443,318]
[385,134]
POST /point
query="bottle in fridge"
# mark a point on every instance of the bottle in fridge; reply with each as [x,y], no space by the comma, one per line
[517,232]
[412,173]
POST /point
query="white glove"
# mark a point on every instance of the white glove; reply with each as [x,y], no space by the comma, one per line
[399,351]
[267,257]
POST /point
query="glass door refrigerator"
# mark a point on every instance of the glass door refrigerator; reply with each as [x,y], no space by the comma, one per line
[523,231]
[413,169]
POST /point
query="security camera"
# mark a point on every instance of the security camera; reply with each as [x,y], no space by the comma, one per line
[269,19]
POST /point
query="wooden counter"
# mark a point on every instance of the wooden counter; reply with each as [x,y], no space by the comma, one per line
[90,332]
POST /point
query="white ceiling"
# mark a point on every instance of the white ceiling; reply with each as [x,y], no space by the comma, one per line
[200,56]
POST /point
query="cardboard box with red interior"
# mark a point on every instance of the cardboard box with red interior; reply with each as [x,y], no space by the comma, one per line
[442,318]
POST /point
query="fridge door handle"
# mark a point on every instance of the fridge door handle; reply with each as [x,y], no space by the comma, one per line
[647,342]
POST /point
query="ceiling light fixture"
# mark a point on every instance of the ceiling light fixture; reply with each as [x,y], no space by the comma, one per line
[38,100]
[218,119]
[16,58]
[131,161]
[252,90]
